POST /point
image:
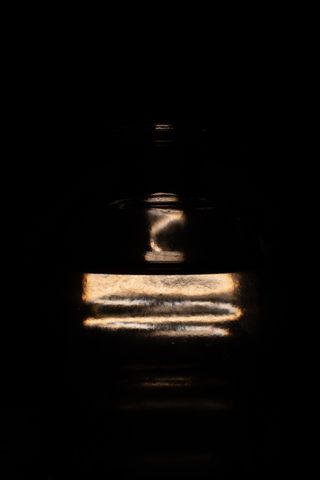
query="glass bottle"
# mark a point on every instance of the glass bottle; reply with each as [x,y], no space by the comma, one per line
[168,328]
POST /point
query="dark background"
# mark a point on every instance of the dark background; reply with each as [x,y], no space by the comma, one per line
[83,140]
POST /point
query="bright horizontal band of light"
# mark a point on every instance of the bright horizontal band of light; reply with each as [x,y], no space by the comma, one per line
[97,286]
[153,320]
[193,331]
[166,304]
[169,330]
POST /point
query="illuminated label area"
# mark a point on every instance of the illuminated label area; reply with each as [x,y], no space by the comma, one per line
[201,305]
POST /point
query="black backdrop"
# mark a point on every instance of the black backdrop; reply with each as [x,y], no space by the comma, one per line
[82,141]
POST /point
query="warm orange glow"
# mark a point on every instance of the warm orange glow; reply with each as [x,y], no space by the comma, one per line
[160,221]
[103,287]
[164,305]
[167,256]
[161,197]
[163,218]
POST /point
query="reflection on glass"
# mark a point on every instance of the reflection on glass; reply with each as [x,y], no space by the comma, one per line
[161,197]
[166,382]
[163,126]
[205,305]
[163,222]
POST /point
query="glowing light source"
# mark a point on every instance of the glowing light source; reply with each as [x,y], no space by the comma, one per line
[163,305]
[100,287]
